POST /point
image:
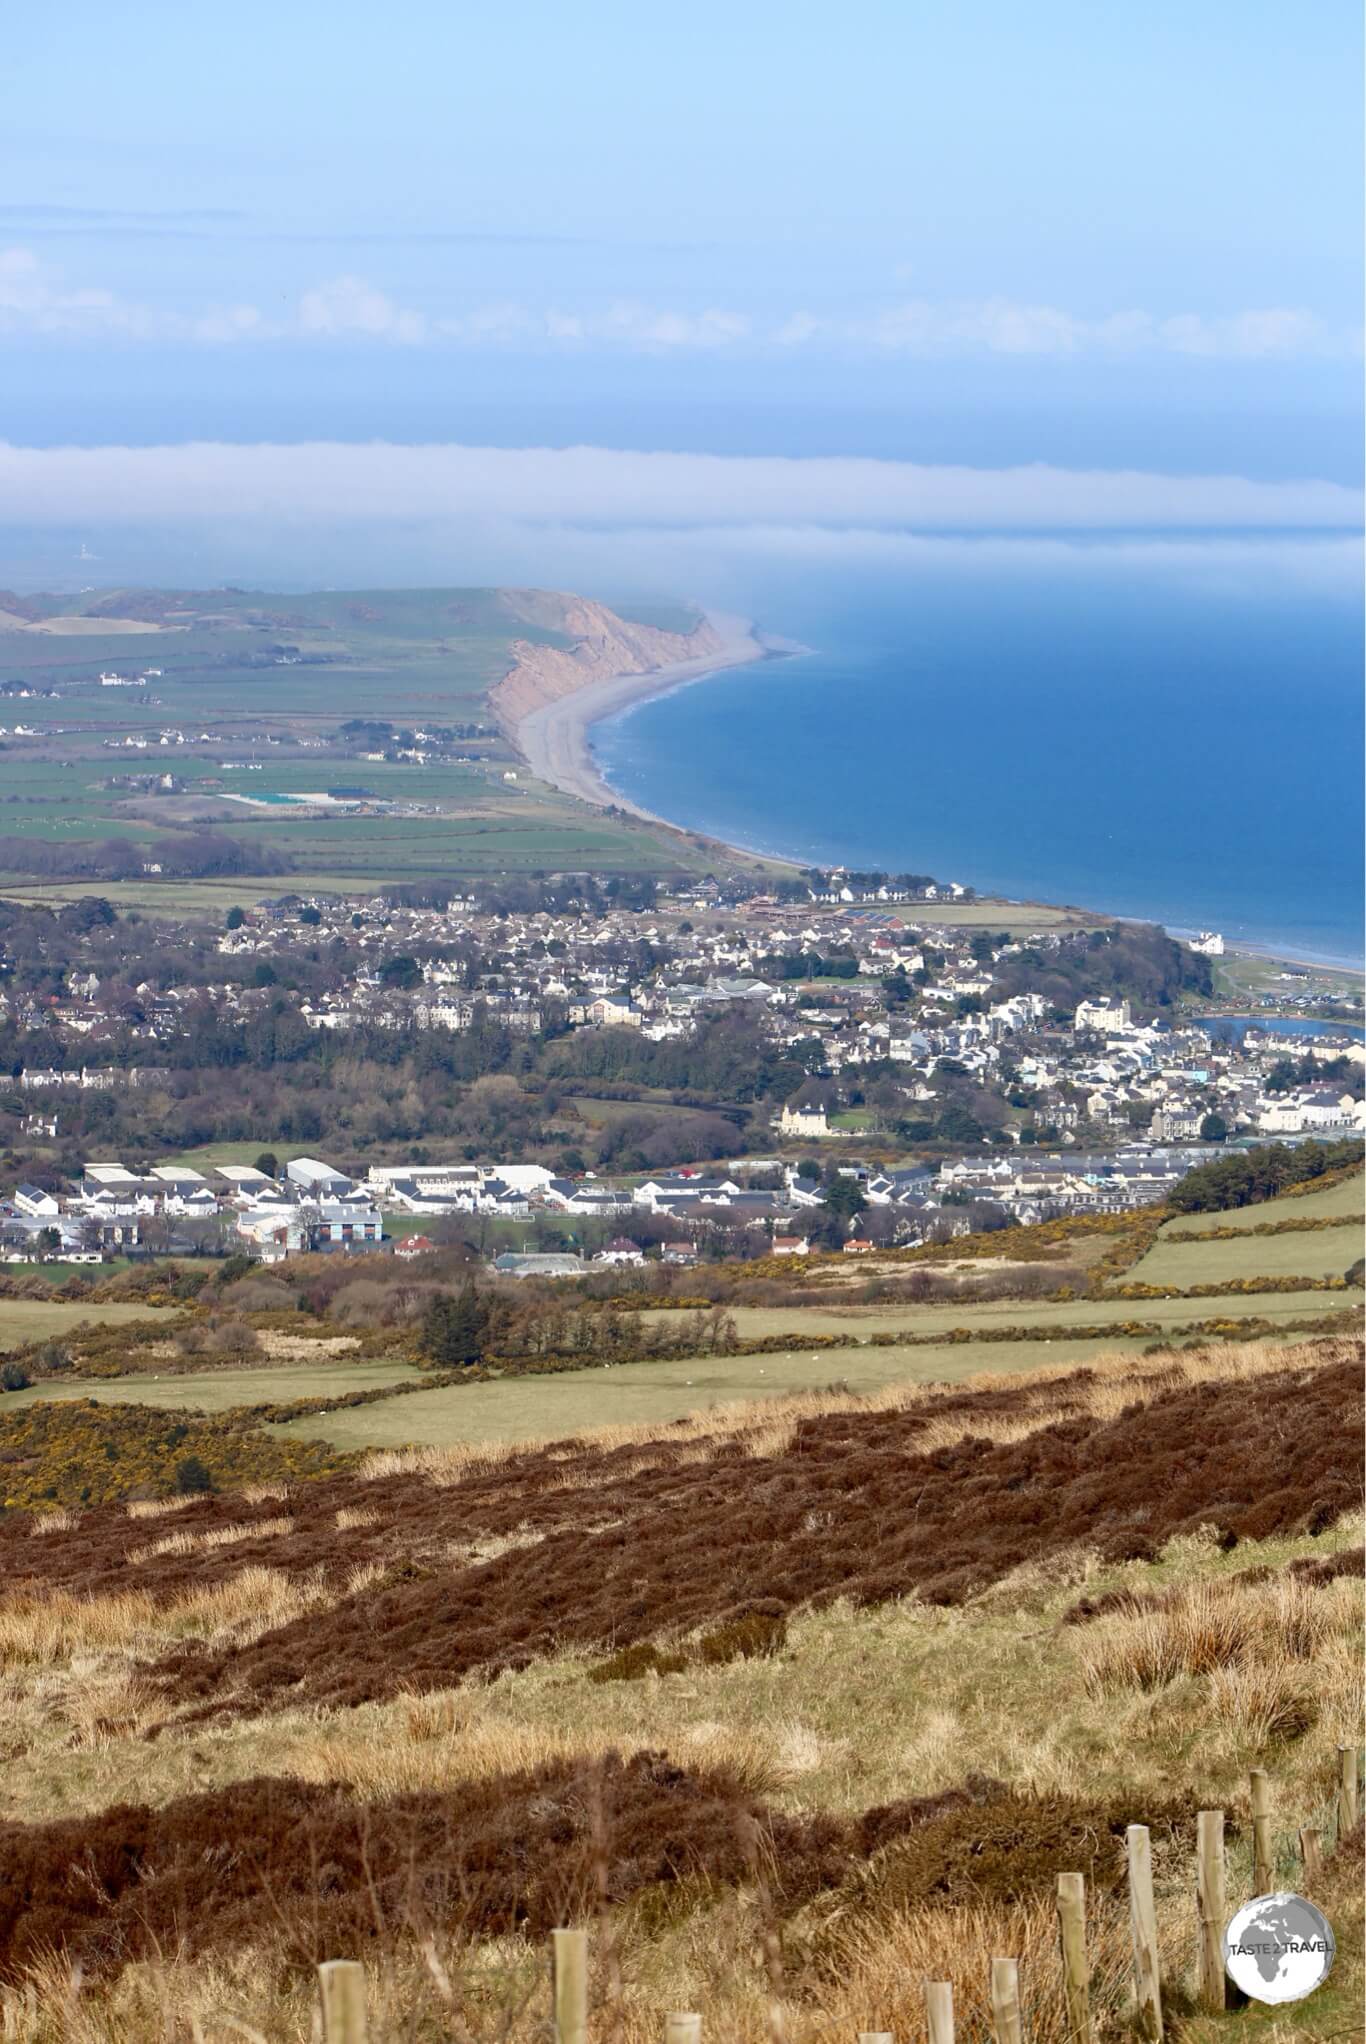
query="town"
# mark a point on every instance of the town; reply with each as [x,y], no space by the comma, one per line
[634,1074]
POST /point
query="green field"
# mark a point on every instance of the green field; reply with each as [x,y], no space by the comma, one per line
[219,1390]
[634,1394]
[753,1322]
[417,658]
[1321,1252]
[1348,1196]
[24,1320]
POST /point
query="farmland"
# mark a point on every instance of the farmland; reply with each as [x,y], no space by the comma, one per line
[921,1715]
[258,687]
[24,1320]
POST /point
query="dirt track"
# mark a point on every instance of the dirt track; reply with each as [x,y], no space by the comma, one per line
[850,1509]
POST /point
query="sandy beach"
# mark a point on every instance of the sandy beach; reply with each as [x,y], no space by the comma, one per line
[553,740]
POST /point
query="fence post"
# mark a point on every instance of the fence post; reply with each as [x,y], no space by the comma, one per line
[342,1984]
[1143,1923]
[1263,1876]
[1005,2001]
[682,2029]
[569,1950]
[939,2010]
[1211,1890]
[875,2037]
[1311,1853]
[1348,1805]
[1076,1972]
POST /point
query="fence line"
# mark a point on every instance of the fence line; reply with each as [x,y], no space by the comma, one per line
[342,1984]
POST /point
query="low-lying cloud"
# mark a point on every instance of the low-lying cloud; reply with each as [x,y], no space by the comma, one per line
[37,298]
[331,483]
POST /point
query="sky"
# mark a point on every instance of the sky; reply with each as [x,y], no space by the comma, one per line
[932,233]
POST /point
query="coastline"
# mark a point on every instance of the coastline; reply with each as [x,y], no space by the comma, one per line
[553,740]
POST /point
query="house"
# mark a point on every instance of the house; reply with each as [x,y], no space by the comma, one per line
[621,1251]
[791,1245]
[414,1245]
[679,1253]
[808,1111]
[40,1205]
[1106,1017]
[858,1245]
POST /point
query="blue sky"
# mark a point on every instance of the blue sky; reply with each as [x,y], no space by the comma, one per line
[1149,197]
[970,232]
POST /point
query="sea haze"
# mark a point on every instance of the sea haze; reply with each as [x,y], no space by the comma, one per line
[1179,746]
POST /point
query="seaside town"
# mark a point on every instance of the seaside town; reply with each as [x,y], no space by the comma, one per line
[661,1075]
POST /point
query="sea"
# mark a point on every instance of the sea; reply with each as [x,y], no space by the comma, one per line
[1173,735]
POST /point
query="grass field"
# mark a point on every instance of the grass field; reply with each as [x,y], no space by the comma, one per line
[1322,1252]
[24,1320]
[1346,1197]
[756,1321]
[654,1394]
[254,728]
[218,1390]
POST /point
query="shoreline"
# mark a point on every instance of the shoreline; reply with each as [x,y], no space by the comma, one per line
[554,742]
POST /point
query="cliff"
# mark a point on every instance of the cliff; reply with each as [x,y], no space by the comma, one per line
[604,647]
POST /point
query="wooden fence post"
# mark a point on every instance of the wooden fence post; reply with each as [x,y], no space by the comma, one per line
[569,1949]
[1263,1874]
[1143,1923]
[1211,1891]
[1348,1804]
[682,2029]
[1005,2001]
[1076,1971]
[939,2010]
[342,1983]
[1311,1852]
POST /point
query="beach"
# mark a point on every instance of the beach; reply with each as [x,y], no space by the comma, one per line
[553,739]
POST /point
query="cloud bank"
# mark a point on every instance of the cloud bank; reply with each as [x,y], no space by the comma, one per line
[37,299]
[334,483]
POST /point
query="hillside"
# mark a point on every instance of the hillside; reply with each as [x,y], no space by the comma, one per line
[847,1679]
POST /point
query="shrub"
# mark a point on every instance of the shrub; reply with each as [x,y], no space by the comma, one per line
[192,1479]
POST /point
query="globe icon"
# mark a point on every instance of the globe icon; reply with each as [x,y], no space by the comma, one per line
[1279,1948]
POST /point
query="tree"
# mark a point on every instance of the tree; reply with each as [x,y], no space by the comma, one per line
[843,1199]
[1213,1129]
[454,1328]
[310,915]
[49,1242]
[234,918]
[192,1478]
[269,1163]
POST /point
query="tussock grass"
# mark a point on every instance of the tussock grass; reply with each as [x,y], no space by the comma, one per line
[157,1508]
[352,1517]
[218,1536]
[47,1629]
[1212,1626]
[63,1520]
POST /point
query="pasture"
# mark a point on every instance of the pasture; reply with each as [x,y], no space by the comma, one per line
[219,1390]
[24,1320]
[656,1394]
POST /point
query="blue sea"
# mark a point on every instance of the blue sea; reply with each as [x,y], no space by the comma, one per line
[1184,746]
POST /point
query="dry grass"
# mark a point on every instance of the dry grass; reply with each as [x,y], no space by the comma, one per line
[350,1518]
[157,1508]
[63,1520]
[218,1536]
[48,1629]
[765,1427]
[1212,1626]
